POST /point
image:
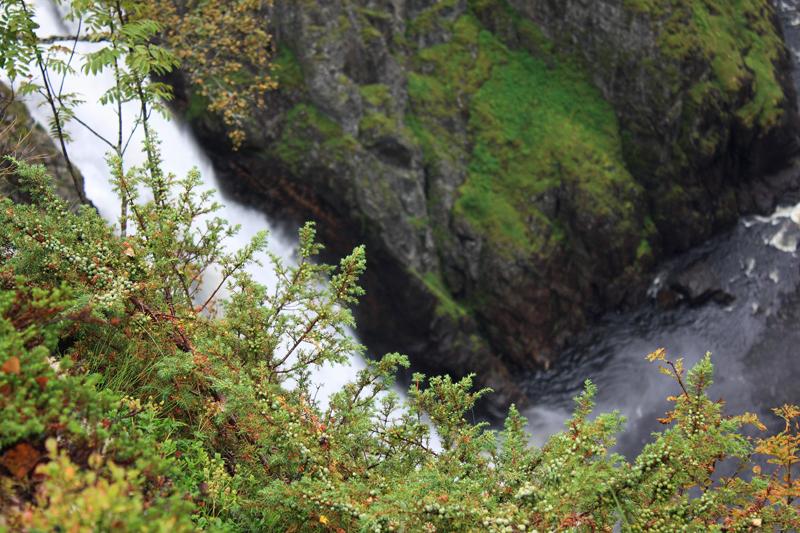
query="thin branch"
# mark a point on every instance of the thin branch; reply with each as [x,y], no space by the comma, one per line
[298,342]
[120,151]
[133,130]
[51,100]
[63,38]
[225,278]
[69,61]
[91,130]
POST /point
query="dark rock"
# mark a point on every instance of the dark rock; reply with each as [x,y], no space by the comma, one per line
[696,284]
[23,138]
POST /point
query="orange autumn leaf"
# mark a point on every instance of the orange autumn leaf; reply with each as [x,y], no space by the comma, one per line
[11,366]
[42,381]
[20,459]
[127,249]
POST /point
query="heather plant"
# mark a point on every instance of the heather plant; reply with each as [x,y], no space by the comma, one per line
[148,382]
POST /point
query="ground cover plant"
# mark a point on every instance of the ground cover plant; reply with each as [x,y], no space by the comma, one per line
[137,394]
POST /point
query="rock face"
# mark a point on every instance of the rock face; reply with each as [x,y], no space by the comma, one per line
[22,138]
[513,167]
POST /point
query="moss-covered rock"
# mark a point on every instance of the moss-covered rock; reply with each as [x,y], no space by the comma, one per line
[513,166]
[21,137]
[702,93]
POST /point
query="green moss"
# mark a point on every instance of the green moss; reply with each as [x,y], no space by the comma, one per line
[287,70]
[511,28]
[307,129]
[739,40]
[376,95]
[534,128]
[447,305]
[440,87]
[534,125]
[462,64]
[375,14]
[377,125]
[432,20]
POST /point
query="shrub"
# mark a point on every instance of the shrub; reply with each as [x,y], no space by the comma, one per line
[122,397]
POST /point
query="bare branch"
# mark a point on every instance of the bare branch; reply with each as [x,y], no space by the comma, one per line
[51,39]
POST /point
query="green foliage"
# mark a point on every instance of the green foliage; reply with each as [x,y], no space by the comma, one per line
[168,416]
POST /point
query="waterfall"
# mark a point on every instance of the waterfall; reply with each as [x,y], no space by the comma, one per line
[180,153]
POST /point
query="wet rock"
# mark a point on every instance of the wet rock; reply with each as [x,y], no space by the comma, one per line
[695,285]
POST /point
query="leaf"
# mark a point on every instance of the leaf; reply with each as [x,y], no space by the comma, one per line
[11,366]
[752,419]
[658,355]
[21,459]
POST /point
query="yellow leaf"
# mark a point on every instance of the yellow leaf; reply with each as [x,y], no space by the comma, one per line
[752,419]
[323,519]
[127,249]
[658,355]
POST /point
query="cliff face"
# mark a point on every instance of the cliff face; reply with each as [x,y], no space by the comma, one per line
[22,138]
[513,167]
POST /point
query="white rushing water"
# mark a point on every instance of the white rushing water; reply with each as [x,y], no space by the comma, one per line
[180,153]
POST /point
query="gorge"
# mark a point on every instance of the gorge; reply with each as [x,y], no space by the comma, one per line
[516,169]
[412,126]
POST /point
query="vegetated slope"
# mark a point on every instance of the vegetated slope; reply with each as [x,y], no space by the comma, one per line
[125,407]
[513,167]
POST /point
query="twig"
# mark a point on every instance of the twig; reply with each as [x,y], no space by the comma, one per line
[51,100]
